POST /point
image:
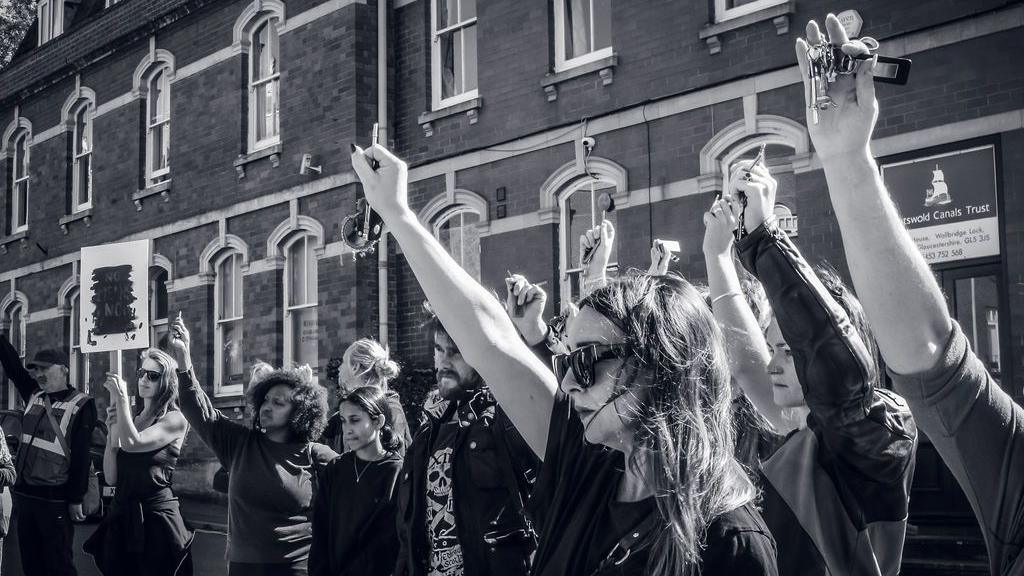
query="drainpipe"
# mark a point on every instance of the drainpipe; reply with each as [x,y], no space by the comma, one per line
[384,133]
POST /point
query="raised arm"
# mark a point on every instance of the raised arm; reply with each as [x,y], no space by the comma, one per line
[477,322]
[169,428]
[110,451]
[893,281]
[598,241]
[744,340]
[15,370]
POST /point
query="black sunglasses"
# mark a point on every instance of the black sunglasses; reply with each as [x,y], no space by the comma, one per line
[581,361]
[150,375]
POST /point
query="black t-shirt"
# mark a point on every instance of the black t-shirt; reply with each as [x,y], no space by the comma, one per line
[579,521]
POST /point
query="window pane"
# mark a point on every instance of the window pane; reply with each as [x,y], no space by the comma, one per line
[977,299]
[461,238]
[735,3]
[231,352]
[81,131]
[467,10]
[44,21]
[155,97]
[226,280]
[21,157]
[447,13]
[469,57]
[577,28]
[304,333]
[164,158]
[74,321]
[161,335]
[260,55]
[84,178]
[449,78]
[602,24]
[22,197]
[297,273]
[580,219]
[17,334]
[311,279]
[158,293]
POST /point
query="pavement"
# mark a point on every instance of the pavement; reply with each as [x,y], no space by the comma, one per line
[208,519]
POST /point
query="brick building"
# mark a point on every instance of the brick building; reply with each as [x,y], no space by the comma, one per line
[190,118]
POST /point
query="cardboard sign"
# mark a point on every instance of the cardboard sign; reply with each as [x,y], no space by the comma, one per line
[114,311]
[948,203]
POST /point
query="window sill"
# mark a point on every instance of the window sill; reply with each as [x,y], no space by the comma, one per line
[229,400]
[471,108]
[272,152]
[778,14]
[161,188]
[84,215]
[605,68]
[21,237]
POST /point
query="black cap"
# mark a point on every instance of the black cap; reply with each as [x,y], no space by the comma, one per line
[49,357]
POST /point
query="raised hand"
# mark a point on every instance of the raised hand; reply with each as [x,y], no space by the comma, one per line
[596,243]
[757,184]
[530,299]
[846,127]
[720,223]
[386,186]
[116,386]
[660,259]
[179,345]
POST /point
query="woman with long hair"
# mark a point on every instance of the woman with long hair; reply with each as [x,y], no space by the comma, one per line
[635,430]
[144,532]
[273,465]
[354,530]
[367,363]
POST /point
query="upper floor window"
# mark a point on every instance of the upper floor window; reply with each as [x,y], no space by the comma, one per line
[50,15]
[18,199]
[264,86]
[228,333]
[301,326]
[580,212]
[81,159]
[458,233]
[158,127]
[728,9]
[583,32]
[453,57]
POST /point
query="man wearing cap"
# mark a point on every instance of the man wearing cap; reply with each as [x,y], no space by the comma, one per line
[53,459]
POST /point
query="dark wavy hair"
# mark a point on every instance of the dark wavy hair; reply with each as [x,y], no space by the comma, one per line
[684,437]
[374,401]
[309,400]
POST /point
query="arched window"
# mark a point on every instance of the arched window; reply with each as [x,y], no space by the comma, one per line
[18,196]
[14,311]
[158,322]
[300,301]
[453,56]
[228,333]
[579,212]
[158,126]
[264,85]
[79,376]
[458,231]
[787,221]
[81,156]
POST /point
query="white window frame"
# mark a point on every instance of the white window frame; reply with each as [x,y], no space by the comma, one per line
[566,268]
[273,23]
[787,221]
[220,388]
[992,321]
[723,12]
[50,16]
[77,158]
[437,102]
[156,325]
[446,216]
[311,281]
[561,62]
[75,345]
[25,161]
[20,347]
[163,121]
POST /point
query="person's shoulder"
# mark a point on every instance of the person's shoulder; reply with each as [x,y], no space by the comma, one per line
[740,538]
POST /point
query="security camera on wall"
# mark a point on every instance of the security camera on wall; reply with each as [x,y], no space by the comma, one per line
[307,165]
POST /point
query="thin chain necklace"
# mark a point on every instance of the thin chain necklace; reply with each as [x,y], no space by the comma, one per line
[355,466]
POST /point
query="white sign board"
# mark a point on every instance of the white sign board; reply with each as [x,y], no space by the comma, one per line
[114,311]
[949,203]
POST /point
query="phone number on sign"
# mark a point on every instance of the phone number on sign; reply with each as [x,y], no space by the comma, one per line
[943,254]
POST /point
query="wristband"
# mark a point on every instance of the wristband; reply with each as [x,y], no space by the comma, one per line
[726,295]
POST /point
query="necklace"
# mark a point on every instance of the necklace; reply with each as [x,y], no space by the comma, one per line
[355,467]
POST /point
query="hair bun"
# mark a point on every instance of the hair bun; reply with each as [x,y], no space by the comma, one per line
[386,368]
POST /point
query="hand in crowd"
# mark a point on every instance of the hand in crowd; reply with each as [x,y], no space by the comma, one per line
[116,386]
[757,184]
[720,223]
[179,345]
[846,127]
[524,303]
[596,244]
[76,513]
[660,258]
[111,421]
[386,186]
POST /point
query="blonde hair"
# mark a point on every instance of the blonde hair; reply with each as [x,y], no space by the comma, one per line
[372,363]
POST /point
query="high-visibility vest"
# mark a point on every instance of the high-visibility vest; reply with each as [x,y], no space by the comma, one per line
[41,457]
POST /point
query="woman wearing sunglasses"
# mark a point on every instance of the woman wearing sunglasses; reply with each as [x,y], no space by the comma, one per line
[639,475]
[143,533]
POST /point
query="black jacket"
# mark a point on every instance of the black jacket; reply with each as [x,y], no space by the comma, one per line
[492,472]
[847,476]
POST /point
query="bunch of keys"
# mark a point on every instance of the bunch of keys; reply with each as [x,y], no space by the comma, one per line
[826,62]
[759,159]
[362,229]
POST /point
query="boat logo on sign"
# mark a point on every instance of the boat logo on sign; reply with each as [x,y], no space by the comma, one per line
[938,194]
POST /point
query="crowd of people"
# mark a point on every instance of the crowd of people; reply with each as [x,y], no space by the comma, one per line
[655,427]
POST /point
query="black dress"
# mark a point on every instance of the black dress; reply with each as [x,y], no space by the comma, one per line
[144,533]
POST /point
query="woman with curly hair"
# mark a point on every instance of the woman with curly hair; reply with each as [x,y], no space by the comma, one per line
[634,427]
[354,529]
[144,532]
[367,363]
[273,465]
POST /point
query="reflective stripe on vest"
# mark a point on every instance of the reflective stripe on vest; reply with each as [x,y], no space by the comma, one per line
[63,411]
